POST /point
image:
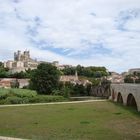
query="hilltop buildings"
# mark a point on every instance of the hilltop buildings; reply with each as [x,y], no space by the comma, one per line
[132,71]
[116,78]
[21,62]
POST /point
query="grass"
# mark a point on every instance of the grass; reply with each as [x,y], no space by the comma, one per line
[83,121]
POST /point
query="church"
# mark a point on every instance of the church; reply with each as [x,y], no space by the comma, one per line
[21,62]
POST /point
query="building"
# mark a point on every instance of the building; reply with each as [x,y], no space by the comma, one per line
[21,62]
[74,79]
[116,78]
[135,70]
[69,78]
[8,82]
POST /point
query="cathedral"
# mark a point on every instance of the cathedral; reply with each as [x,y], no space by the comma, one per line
[21,62]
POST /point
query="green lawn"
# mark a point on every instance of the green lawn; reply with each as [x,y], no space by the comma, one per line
[84,121]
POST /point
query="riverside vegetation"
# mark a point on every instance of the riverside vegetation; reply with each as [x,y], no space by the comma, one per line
[23,96]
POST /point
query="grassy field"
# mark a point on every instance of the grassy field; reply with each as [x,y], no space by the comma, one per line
[83,121]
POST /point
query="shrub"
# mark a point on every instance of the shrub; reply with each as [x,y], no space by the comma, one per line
[4,93]
[56,92]
[14,100]
[66,92]
[20,96]
[46,99]
[23,93]
[137,81]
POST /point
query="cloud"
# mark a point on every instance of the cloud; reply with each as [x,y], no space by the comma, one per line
[93,32]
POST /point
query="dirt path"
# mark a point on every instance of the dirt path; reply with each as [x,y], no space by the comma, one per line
[53,103]
[8,138]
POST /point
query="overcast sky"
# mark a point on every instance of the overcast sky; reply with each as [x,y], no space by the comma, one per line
[87,32]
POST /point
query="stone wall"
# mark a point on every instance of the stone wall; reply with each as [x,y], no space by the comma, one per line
[100,91]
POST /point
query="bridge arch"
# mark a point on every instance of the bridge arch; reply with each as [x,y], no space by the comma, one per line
[120,98]
[131,101]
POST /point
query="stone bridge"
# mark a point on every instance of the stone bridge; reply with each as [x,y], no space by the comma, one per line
[127,94]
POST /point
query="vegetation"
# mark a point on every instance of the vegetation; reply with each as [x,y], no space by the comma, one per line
[45,79]
[68,89]
[88,121]
[128,79]
[4,73]
[94,72]
[132,78]
[23,96]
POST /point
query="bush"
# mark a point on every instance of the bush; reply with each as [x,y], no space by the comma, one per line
[137,81]
[3,93]
[66,92]
[14,100]
[46,99]
[22,96]
[56,92]
[23,93]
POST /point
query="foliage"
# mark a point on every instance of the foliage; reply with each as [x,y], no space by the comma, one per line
[14,100]
[132,78]
[137,81]
[128,80]
[45,78]
[4,73]
[69,89]
[66,92]
[20,96]
[46,99]
[79,90]
[4,93]
[94,72]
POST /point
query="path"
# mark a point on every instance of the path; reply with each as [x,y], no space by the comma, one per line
[53,103]
[9,138]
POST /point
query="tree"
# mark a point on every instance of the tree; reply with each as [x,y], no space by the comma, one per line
[128,79]
[45,78]
[3,71]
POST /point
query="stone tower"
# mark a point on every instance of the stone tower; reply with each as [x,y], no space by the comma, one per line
[76,75]
[26,56]
[17,55]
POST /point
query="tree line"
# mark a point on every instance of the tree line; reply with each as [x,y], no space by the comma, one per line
[91,71]
[45,79]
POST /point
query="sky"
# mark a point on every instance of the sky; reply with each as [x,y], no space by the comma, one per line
[86,32]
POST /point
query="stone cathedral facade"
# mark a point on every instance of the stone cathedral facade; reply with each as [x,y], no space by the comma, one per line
[21,62]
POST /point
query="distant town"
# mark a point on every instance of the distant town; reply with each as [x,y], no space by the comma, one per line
[23,62]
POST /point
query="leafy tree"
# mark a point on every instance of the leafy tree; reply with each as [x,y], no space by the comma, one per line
[129,79]
[45,78]
[137,81]
[79,90]
[3,71]
[94,72]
